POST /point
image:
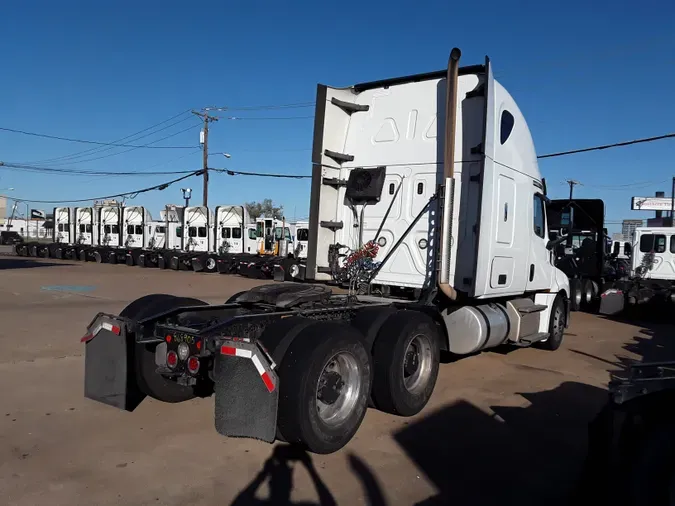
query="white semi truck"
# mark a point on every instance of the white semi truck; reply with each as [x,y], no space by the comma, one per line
[427,198]
[652,272]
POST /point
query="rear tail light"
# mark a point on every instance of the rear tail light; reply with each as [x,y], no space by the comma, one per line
[172,359]
[193,365]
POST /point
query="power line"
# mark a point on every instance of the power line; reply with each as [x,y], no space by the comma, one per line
[83,141]
[91,151]
[148,145]
[608,146]
[269,118]
[297,105]
[131,194]
[259,174]
[99,150]
[65,170]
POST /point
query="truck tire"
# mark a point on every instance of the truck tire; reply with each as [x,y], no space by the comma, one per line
[210,264]
[149,382]
[586,293]
[556,326]
[406,357]
[653,472]
[325,377]
[576,294]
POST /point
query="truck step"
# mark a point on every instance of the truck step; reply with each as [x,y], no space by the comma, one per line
[532,338]
[533,308]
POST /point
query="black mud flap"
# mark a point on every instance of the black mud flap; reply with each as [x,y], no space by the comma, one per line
[611,302]
[174,263]
[246,399]
[130,260]
[108,365]
[141,260]
[197,264]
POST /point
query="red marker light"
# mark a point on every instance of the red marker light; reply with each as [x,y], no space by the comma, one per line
[193,365]
[199,345]
[171,359]
[168,338]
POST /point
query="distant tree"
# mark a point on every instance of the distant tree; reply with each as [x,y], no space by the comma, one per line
[265,208]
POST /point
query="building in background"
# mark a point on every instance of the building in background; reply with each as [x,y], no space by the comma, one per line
[628,228]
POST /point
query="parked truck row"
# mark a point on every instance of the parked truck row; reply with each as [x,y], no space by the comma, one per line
[185,238]
[428,204]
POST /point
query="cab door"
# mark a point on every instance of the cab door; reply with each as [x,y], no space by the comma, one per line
[539,266]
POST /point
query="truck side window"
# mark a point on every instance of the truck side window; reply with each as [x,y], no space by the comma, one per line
[88,228]
[506,126]
[115,229]
[107,229]
[258,230]
[615,248]
[672,243]
[539,216]
[236,233]
[303,234]
[159,230]
[651,242]
[130,229]
[82,228]
[139,229]
[225,233]
[628,249]
[252,234]
[179,231]
[192,231]
[287,233]
[201,231]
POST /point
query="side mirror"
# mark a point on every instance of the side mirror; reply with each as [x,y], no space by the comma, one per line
[552,244]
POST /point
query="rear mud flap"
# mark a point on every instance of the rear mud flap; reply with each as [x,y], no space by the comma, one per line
[108,366]
[130,260]
[197,264]
[244,405]
[611,302]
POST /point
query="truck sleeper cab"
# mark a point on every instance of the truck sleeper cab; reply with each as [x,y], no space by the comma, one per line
[228,240]
[471,244]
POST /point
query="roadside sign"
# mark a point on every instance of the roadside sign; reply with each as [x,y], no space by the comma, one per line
[651,203]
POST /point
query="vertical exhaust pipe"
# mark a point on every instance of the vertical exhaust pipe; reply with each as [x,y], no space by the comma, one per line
[452,78]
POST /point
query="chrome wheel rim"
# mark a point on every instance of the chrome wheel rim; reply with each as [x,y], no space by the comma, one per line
[417,363]
[210,263]
[338,388]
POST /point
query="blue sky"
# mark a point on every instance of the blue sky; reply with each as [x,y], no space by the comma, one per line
[583,74]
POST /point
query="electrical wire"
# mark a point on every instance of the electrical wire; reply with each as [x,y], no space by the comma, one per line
[258,174]
[148,145]
[608,146]
[269,118]
[64,170]
[79,158]
[83,141]
[131,194]
[298,105]
[91,151]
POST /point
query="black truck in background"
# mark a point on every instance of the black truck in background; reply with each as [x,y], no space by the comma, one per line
[583,250]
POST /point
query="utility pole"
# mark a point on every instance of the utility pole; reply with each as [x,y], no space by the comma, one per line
[572,184]
[205,151]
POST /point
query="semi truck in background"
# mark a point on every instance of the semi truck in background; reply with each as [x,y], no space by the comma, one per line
[652,277]
[427,202]
[582,249]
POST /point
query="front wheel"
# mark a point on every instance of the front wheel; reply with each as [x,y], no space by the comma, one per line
[556,326]
[406,357]
[325,377]
[210,264]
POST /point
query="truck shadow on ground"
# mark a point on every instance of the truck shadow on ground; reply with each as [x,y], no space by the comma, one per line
[278,472]
[21,263]
[517,455]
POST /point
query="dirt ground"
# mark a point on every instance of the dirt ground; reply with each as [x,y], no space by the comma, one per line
[506,427]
